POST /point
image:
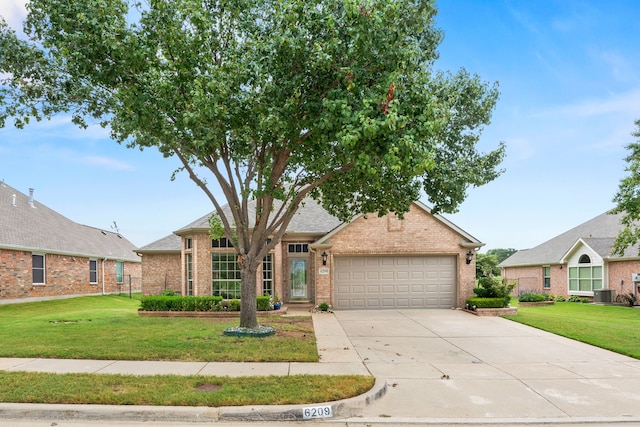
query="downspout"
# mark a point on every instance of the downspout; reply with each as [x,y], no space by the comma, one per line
[103,286]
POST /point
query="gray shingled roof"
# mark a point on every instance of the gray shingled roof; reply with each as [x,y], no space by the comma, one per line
[310,218]
[30,226]
[170,243]
[599,233]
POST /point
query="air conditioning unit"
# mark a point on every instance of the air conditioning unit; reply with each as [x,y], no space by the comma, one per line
[603,295]
[635,277]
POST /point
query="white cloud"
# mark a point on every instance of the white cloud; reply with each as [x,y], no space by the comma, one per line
[624,103]
[14,12]
[520,149]
[106,162]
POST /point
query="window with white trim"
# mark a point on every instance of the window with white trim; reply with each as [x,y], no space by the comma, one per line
[93,271]
[267,275]
[119,272]
[222,242]
[225,275]
[189,273]
[546,271]
[585,277]
[298,248]
[38,269]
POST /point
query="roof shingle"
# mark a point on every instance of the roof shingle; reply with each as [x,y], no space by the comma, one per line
[28,225]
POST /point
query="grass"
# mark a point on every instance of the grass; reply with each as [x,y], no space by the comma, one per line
[614,328]
[172,390]
[109,328]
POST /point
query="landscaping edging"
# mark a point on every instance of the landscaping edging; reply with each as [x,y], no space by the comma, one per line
[209,314]
[532,304]
[508,311]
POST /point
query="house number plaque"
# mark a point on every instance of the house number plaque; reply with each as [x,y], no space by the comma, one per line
[317,412]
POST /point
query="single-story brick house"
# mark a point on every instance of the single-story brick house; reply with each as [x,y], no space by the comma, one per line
[44,254]
[422,261]
[577,262]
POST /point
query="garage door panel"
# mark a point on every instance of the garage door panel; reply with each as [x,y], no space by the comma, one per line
[395,282]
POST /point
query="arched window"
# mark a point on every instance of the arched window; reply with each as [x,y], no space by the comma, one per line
[584,259]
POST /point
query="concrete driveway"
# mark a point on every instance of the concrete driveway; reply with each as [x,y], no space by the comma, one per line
[448,364]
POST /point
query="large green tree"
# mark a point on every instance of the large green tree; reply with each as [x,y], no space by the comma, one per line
[627,198]
[277,99]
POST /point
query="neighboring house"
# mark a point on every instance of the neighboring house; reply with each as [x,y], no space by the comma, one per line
[368,263]
[44,254]
[577,262]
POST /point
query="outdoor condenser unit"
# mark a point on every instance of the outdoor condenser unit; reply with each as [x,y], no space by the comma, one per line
[603,295]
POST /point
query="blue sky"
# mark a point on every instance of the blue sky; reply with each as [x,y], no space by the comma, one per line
[569,75]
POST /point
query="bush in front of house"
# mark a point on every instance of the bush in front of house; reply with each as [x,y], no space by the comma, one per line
[197,303]
[180,303]
[474,303]
[264,303]
[534,296]
[491,287]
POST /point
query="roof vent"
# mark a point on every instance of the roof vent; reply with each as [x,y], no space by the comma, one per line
[13,201]
[31,198]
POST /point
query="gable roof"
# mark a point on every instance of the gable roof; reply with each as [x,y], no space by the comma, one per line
[168,244]
[468,242]
[311,218]
[27,225]
[598,233]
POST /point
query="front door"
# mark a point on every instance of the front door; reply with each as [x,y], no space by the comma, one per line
[298,270]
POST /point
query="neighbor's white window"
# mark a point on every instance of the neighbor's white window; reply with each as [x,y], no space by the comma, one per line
[547,277]
[93,271]
[37,269]
[119,272]
[585,277]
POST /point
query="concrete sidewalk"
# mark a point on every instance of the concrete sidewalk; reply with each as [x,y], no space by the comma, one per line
[432,367]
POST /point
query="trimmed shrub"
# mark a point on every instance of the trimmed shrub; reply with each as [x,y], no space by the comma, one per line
[494,287]
[264,303]
[179,303]
[233,305]
[479,302]
[532,296]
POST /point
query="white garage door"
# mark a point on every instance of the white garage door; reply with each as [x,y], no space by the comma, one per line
[395,282]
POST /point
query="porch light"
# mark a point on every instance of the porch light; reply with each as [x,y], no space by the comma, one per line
[469,256]
[324,257]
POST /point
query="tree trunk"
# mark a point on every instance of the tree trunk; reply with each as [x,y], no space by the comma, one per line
[248,302]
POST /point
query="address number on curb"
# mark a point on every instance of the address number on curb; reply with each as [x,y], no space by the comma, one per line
[317,412]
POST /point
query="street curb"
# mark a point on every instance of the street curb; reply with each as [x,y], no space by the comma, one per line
[342,408]
[68,412]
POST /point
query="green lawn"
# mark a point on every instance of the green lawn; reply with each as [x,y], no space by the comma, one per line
[108,327]
[173,390]
[615,328]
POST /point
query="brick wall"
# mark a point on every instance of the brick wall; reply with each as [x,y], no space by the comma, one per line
[531,278]
[160,272]
[620,274]
[419,233]
[64,275]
